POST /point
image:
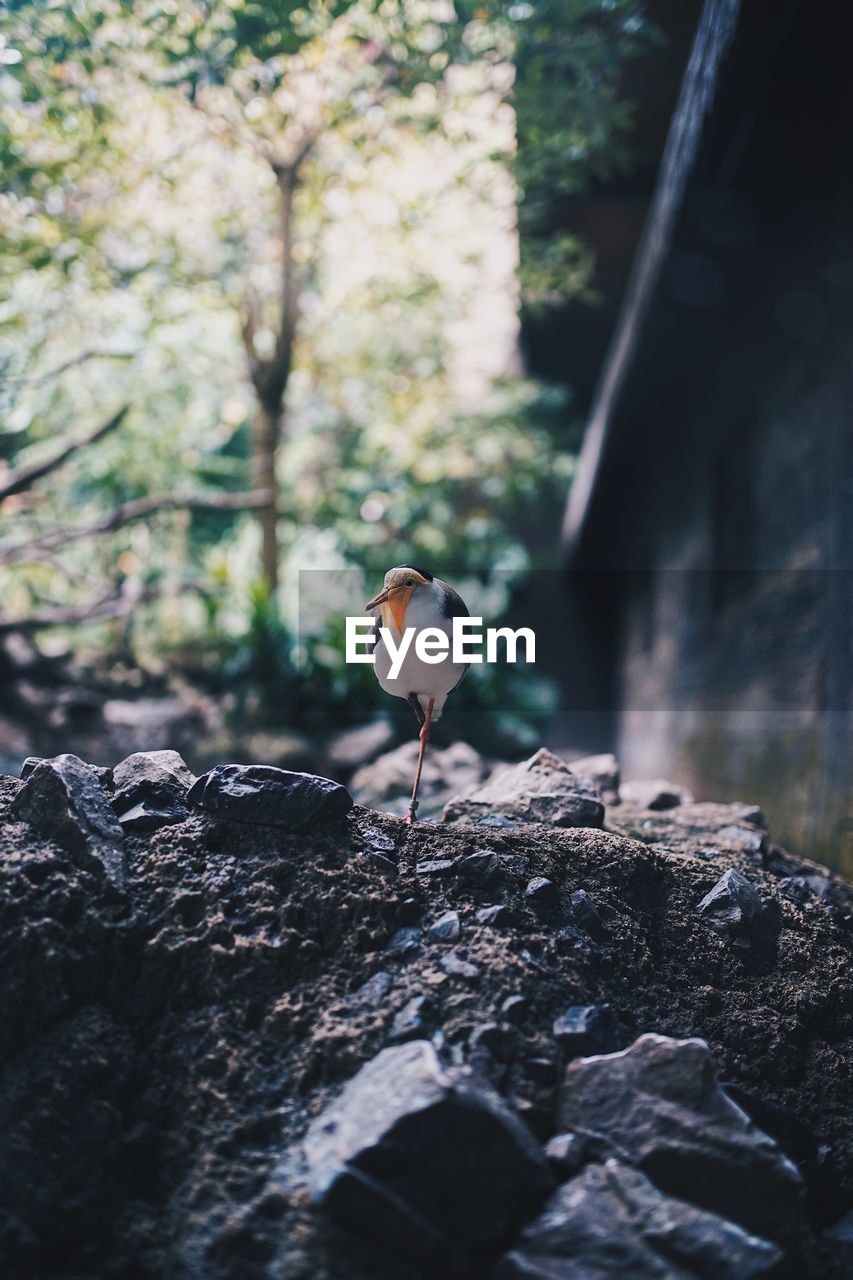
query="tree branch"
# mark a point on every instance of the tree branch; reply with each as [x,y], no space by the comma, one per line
[26,477]
[128,512]
[107,608]
[82,358]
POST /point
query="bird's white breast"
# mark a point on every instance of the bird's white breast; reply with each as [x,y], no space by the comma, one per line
[426,680]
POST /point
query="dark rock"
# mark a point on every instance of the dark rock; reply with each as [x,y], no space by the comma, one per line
[498,916]
[454,965]
[659,1102]
[566,1153]
[586,917]
[263,794]
[541,789]
[542,894]
[406,941]
[30,764]
[515,1009]
[409,1022]
[541,1070]
[805,889]
[611,1221]
[749,922]
[64,800]
[838,1241]
[438,867]
[587,1029]
[482,869]
[376,841]
[446,929]
[500,1041]
[151,790]
[427,1161]
[374,991]
[654,793]
[410,911]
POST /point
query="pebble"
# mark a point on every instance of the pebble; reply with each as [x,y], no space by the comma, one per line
[446,929]
[459,968]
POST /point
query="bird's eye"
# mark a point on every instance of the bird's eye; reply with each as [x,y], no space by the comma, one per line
[410,582]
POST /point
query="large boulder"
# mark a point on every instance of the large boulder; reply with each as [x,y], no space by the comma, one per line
[428,1161]
[612,1223]
[64,799]
[659,1103]
[263,794]
[541,789]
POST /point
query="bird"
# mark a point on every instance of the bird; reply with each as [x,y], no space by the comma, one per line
[412,597]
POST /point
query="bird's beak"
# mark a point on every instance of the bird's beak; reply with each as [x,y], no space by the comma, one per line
[382,598]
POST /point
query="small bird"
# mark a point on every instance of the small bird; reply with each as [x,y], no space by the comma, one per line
[411,597]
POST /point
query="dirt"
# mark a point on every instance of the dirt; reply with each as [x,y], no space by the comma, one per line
[164,1049]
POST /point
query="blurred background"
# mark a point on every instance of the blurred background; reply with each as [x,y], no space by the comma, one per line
[553,298]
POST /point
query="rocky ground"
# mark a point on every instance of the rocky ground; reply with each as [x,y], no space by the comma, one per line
[251,1030]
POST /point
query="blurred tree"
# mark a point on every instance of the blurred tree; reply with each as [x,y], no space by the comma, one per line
[343,177]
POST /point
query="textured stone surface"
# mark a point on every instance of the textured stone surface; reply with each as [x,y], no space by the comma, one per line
[64,798]
[424,1159]
[150,790]
[611,1221]
[263,794]
[586,1029]
[660,1103]
[737,911]
[541,789]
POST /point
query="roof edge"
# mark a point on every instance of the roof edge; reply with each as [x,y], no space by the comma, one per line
[714,33]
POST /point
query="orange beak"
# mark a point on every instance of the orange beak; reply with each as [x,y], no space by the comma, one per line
[383,597]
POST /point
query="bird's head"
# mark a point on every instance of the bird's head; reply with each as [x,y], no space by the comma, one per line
[400,584]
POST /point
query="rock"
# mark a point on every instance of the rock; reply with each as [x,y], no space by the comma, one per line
[379,1160]
[386,783]
[749,922]
[30,764]
[263,794]
[150,790]
[542,893]
[63,799]
[585,915]
[515,1009]
[542,1071]
[406,941]
[838,1239]
[541,789]
[498,1041]
[660,1103]
[726,828]
[375,989]
[586,1029]
[566,1153]
[611,1221]
[456,967]
[602,771]
[410,911]
[499,916]
[437,867]
[152,766]
[482,869]
[409,1022]
[350,748]
[654,793]
[446,928]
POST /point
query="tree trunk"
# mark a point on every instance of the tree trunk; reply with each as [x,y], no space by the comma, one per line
[270,377]
[265,443]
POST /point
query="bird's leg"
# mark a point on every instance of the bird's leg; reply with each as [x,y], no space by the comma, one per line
[424,736]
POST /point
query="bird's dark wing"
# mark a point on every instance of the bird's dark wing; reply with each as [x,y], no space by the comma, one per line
[453,606]
[374,639]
